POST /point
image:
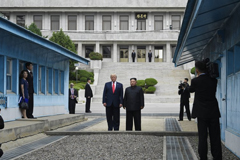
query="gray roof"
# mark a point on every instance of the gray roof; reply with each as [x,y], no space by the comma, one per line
[93,3]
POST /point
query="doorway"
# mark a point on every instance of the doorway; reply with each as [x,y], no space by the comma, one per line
[158,52]
[141,53]
[123,53]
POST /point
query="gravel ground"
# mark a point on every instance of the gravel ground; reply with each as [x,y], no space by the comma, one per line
[227,154]
[102,147]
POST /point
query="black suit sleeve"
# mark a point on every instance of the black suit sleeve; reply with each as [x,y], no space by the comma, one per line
[192,88]
[104,94]
[125,98]
[121,95]
[1,123]
[141,97]
[180,91]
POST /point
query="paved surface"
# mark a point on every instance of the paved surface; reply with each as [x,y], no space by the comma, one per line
[150,108]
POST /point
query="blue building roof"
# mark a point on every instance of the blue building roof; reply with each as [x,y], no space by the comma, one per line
[203,19]
[9,30]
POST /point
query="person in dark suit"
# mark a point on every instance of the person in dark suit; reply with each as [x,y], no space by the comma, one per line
[186,82]
[205,109]
[88,96]
[133,55]
[134,103]
[73,94]
[113,100]
[184,101]
[29,111]
[150,56]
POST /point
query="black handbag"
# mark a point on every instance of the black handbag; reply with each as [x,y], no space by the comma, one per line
[23,105]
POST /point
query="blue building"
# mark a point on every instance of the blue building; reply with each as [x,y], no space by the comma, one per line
[211,29]
[50,71]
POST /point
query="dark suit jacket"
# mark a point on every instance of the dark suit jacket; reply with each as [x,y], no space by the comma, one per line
[133,98]
[30,83]
[133,54]
[88,91]
[205,104]
[115,98]
[75,93]
[185,95]
[149,54]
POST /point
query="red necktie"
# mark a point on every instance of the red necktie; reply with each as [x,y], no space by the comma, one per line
[113,88]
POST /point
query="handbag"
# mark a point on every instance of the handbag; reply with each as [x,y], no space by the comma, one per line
[23,105]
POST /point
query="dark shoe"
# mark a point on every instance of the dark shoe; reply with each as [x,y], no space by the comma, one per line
[190,120]
[180,120]
[88,112]
[32,118]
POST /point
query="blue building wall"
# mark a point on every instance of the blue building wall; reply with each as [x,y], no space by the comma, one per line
[17,51]
[227,52]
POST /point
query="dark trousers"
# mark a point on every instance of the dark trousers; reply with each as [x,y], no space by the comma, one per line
[186,104]
[72,106]
[133,59]
[88,102]
[113,117]
[29,111]
[150,59]
[136,115]
[212,127]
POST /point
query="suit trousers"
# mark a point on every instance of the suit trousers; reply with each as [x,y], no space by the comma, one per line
[113,117]
[136,115]
[29,111]
[133,59]
[211,126]
[186,104]
[72,106]
[88,102]
[150,59]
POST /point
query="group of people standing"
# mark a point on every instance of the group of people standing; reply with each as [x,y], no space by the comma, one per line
[113,100]
[149,56]
[26,91]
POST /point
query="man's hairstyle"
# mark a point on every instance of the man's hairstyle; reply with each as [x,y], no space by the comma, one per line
[88,79]
[186,79]
[114,74]
[133,79]
[28,64]
[201,66]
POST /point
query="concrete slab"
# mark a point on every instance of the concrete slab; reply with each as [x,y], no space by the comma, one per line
[188,126]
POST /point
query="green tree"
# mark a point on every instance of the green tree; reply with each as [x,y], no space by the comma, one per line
[64,40]
[33,28]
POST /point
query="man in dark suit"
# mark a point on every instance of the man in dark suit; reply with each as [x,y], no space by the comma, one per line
[73,94]
[88,95]
[113,100]
[184,101]
[205,109]
[133,56]
[134,103]
[150,56]
[29,111]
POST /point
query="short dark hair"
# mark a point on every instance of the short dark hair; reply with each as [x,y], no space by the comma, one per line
[22,73]
[133,79]
[28,64]
[88,79]
[201,66]
[186,79]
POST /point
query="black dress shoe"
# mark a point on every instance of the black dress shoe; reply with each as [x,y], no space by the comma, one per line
[180,120]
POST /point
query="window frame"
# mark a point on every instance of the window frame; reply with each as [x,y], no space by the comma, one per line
[89,22]
[40,21]
[123,21]
[17,21]
[9,74]
[72,21]
[173,28]
[52,21]
[161,21]
[106,21]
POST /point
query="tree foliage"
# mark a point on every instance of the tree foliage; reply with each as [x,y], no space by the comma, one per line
[33,28]
[64,40]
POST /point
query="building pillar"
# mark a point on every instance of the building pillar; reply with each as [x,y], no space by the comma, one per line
[13,17]
[63,22]
[47,21]
[80,51]
[114,52]
[168,22]
[97,47]
[28,19]
[168,52]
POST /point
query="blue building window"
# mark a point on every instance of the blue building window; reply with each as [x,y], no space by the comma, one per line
[9,74]
[61,82]
[55,81]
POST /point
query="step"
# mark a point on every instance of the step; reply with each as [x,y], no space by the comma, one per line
[22,128]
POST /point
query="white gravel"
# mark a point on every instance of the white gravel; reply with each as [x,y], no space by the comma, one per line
[102,147]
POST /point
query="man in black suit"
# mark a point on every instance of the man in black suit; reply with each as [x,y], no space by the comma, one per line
[73,94]
[88,95]
[113,100]
[134,103]
[150,56]
[205,109]
[133,56]
[29,67]
[184,101]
